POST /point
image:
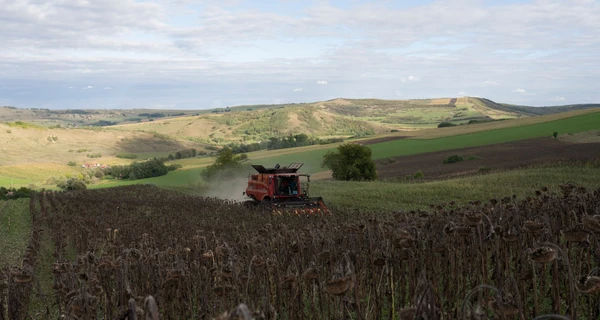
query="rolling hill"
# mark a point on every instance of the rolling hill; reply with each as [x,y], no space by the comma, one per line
[35,141]
[333,118]
[244,124]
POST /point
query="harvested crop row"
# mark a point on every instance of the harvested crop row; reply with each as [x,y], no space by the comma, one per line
[201,256]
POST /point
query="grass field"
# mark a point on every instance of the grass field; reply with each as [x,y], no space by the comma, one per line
[390,196]
[15,227]
[180,178]
[312,158]
[33,174]
[433,133]
[546,129]
[10,182]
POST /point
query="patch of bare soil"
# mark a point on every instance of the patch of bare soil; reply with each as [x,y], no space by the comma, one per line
[491,157]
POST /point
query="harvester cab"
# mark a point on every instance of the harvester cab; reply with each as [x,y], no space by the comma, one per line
[282,189]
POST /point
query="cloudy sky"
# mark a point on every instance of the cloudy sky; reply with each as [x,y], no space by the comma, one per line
[198,54]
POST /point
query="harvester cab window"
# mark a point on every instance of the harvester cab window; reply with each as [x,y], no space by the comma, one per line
[288,186]
[293,186]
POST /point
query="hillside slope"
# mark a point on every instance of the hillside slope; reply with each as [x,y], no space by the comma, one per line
[29,144]
[333,118]
[536,111]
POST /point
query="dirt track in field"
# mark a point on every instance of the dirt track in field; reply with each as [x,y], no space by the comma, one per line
[495,157]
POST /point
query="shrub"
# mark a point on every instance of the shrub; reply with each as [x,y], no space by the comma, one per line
[453,159]
[186,153]
[24,125]
[72,184]
[102,123]
[419,174]
[148,169]
[52,180]
[473,158]
[12,193]
[99,174]
[555,134]
[8,131]
[174,167]
[446,124]
[71,163]
[138,170]
[94,155]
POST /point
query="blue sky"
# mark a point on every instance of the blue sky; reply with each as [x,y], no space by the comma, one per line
[186,54]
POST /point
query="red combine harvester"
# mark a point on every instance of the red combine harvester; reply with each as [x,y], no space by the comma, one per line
[282,190]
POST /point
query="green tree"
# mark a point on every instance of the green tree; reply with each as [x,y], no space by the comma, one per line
[72,184]
[147,169]
[446,124]
[302,140]
[227,164]
[351,162]
[99,174]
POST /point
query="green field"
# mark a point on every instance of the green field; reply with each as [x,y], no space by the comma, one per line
[15,227]
[389,196]
[180,178]
[8,182]
[403,147]
[546,129]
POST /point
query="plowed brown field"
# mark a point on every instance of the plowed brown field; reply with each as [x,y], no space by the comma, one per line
[499,156]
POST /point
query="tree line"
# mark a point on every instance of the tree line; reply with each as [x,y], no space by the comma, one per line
[140,170]
[274,143]
[182,154]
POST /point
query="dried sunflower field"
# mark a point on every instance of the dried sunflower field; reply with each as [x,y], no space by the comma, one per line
[140,249]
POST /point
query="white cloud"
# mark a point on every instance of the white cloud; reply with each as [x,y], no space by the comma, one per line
[298,89]
[559,98]
[489,83]
[321,82]
[107,88]
[410,78]
[88,87]
[462,93]
[71,87]
[519,90]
